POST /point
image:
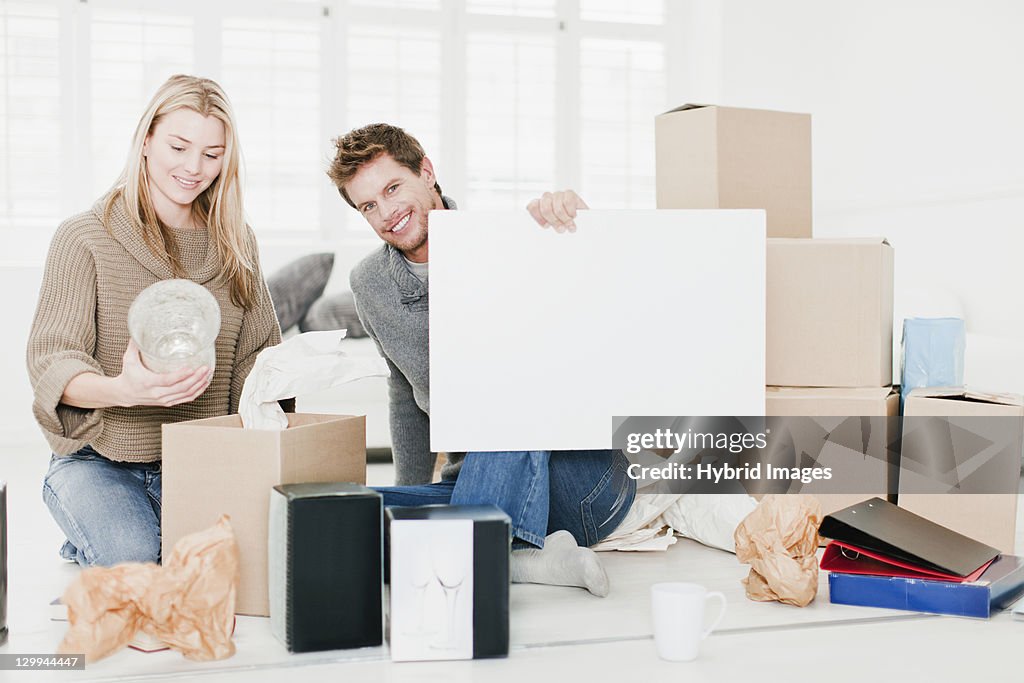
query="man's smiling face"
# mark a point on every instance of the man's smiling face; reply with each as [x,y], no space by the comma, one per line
[395,202]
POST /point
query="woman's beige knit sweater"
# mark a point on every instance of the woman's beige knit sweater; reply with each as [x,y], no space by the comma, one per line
[92,276]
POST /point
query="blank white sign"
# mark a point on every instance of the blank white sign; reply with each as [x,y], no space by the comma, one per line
[537,338]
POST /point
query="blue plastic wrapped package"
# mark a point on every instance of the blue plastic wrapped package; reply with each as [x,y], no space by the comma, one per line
[933,354]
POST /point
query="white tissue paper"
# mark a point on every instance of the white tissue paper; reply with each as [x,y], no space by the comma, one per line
[656,519]
[305,363]
[643,527]
[710,518]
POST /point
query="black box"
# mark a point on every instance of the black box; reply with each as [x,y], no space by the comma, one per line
[449,582]
[3,563]
[325,561]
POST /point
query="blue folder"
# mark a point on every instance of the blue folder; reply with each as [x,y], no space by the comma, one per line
[1000,585]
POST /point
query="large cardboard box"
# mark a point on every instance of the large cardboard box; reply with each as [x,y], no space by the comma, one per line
[214,466]
[840,402]
[711,157]
[984,516]
[829,312]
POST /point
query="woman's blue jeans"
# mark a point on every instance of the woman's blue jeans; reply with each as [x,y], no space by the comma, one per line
[587,493]
[109,511]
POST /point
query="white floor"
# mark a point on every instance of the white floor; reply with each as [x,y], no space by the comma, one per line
[557,633]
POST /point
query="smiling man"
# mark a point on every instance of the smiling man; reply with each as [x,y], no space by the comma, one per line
[383,173]
[557,501]
[395,200]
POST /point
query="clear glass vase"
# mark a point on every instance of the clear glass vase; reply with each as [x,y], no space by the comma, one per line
[175,324]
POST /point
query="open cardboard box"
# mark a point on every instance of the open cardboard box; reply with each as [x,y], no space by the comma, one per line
[214,466]
[983,515]
[842,402]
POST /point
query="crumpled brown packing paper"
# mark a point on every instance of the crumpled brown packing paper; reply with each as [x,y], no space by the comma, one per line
[188,603]
[779,540]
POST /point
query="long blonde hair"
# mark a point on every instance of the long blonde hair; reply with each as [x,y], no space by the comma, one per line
[219,206]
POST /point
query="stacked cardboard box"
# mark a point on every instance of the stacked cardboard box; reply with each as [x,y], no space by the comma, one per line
[829,327]
[829,334]
[829,313]
[870,476]
[710,157]
[977,511]
[829,302]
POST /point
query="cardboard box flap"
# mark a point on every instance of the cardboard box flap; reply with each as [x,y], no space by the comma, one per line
[302,421]
[687,106]
[829,241]
[968,395]
[296,421]
[863,393]
[695,105]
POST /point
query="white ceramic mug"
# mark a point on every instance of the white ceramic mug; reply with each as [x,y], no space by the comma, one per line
[678,613]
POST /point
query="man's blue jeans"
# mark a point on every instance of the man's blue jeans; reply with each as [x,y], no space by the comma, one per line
[587,493]
[109,511]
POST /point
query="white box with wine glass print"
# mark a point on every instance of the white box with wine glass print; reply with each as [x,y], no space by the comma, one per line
[449,575]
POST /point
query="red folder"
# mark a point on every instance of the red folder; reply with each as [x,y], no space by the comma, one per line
[848,559]
[882,539]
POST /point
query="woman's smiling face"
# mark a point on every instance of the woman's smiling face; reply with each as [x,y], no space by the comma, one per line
[184,155]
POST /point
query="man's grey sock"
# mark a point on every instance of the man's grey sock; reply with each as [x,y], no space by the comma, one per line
[560,563]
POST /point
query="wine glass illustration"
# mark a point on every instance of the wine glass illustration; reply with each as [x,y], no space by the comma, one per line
[420,578]
[449,566]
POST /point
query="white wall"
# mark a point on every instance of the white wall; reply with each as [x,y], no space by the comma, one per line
[918,124]
[918,134]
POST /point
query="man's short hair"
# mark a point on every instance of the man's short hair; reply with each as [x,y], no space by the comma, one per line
[362,145]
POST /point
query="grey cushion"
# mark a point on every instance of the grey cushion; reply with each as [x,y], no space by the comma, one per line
[334,312]
[297,285]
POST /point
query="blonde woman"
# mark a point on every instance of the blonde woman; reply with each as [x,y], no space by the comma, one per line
[175,212]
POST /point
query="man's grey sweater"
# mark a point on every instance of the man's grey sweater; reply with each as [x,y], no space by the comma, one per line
[392,304]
